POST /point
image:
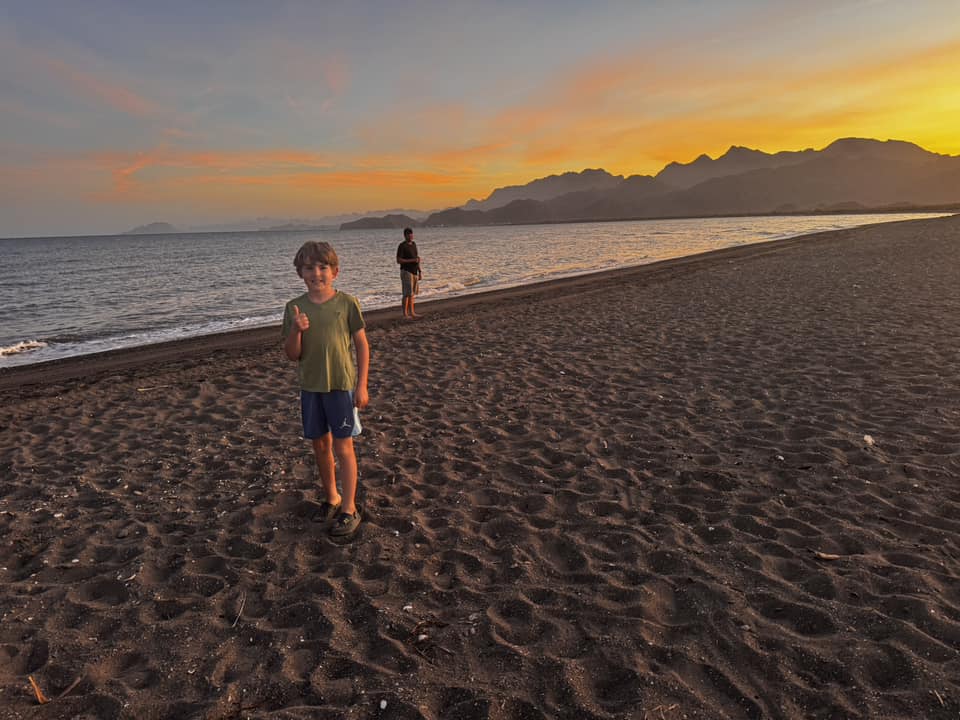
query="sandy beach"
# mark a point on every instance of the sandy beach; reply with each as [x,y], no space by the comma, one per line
[724,486]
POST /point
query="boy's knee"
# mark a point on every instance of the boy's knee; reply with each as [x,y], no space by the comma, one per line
[343,447]
[345,443]
[323,443]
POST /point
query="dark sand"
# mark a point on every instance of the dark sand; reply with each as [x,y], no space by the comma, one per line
[718,487]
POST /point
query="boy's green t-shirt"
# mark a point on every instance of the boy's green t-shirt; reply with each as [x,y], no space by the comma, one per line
[326,362]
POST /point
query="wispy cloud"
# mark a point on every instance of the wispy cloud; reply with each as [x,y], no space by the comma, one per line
[128,169]
[306,79]
[124,175]
[12,107]
[99,89]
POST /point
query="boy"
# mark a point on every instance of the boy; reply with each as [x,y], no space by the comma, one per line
[317,329]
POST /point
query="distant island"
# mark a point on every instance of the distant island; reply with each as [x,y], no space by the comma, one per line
[154,228]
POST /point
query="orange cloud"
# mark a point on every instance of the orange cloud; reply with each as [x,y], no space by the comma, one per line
[335,74]
[323,180]
[422,129]
[470,159]
[128,169]
[123,177]
[296,193]
[300,182]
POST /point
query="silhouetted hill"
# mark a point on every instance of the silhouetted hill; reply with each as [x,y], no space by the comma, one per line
[613,203]
[547,188]
[585,204]
[863,173]
[381,223]
[458,216]
[733,162]
[849,174]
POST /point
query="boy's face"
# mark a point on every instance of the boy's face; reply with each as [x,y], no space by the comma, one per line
[318,276]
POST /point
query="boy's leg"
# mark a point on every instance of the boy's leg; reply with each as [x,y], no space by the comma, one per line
[323,451]
[316,428]
[343,449]
[341,416]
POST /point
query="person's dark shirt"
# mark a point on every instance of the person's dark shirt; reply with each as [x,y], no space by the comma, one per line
[408,250]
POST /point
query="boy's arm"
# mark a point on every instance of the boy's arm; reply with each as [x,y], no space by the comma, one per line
[293,345]
[361,396]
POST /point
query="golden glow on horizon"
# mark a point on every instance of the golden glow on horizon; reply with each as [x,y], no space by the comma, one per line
[896,98]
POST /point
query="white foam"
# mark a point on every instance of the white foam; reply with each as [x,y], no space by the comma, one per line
[22,347]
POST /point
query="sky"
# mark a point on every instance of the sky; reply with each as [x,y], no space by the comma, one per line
[119,113]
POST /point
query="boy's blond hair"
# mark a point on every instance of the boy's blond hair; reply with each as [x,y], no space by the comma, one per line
[316,253]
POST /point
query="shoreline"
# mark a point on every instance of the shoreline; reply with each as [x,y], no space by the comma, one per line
[950,208]
[95,364]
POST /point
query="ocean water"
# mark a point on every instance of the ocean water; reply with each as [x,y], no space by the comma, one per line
[68,296]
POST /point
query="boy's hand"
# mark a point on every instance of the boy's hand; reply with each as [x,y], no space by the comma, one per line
[300,320]
[361,398]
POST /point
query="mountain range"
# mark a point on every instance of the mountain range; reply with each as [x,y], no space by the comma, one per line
[849,175]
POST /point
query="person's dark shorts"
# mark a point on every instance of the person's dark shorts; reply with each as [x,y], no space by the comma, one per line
[329,412]
[410,283]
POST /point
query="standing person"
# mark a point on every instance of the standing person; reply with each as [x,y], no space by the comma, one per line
[318,327]
[409,260]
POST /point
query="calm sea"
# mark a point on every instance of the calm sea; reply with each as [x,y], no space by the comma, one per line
[67,296]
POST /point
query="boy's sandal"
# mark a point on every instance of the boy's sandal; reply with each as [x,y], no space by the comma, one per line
[327,512]
[346,525]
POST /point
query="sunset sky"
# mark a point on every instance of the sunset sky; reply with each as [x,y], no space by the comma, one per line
[116,114]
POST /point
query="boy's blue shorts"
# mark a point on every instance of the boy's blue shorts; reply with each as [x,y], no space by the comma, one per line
[329,412]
